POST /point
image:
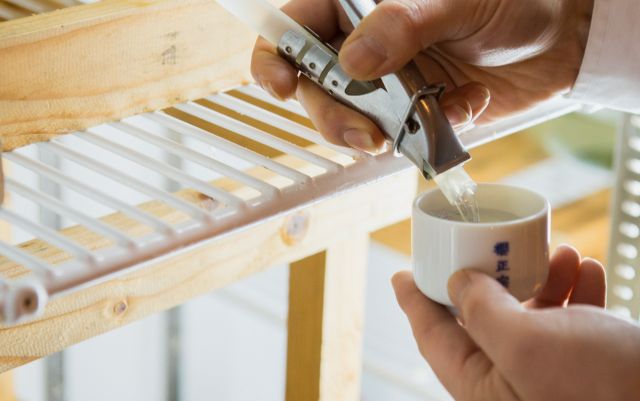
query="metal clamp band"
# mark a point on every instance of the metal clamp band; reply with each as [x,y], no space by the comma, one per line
[433,90]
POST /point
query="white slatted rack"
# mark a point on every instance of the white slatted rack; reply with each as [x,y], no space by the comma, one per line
[117,152]
[623,275]
[325,173]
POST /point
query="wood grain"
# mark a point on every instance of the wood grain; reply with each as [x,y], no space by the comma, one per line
[77,67]
[304,328]
[181,277]
[326,308]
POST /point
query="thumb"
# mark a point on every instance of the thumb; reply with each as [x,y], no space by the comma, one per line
[490,314]
[396,30]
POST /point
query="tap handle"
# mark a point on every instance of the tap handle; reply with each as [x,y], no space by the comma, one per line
[356,10]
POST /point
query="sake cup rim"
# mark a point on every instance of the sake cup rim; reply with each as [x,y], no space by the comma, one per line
[542,212]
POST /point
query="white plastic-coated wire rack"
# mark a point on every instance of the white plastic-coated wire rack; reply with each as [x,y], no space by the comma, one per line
[118,151]
[624,271]
[312,173]
[191,166]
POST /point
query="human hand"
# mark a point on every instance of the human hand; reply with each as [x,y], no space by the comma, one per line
[519,53]
[560,345]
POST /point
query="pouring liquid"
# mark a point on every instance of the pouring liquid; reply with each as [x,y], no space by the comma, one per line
[460,190]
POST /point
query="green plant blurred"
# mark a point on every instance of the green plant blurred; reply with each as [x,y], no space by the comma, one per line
[588,137]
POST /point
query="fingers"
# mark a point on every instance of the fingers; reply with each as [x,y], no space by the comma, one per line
[490,314]
[563,273]
[572,280]
[591,287]
[442,341]
[272,72]
[396,30]
[465,104]
[338,123]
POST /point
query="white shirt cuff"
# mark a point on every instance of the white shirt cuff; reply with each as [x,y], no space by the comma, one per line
[610,72]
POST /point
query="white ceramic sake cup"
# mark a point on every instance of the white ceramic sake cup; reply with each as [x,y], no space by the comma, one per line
[515,251]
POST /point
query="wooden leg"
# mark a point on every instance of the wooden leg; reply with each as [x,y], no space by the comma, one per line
[326,311]
[7,392]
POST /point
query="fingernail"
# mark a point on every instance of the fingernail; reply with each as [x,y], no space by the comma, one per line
[394,283]
[360,140]
[458,283]
[565,248]
[456,115]
[482,95]
[592,260]
[479,100]
[363,56]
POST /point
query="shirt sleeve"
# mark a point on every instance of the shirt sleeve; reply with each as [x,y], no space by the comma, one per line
[610,72]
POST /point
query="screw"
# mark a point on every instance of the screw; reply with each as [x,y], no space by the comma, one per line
[334,83]
[288,49]
[120,308]
[312,66]
[208,203]
[412,126]
[295,228]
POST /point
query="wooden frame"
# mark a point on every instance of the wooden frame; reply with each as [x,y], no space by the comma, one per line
[326,305]
[335,331]
[135,56]
[153,54]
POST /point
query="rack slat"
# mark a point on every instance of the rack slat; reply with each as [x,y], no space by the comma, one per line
[257,135]
[178,149]
[184,128]
[57,206]
[267,117]
[162,168]
[48,235]
[170,199]
[80,187]
[254,91]
[25,259]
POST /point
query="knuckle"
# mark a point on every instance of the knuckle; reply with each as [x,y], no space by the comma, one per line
[405,15]
[330,119]
[331,114]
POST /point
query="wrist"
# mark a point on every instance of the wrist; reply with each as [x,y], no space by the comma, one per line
[579,26]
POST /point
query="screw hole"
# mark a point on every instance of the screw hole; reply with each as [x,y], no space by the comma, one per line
[27,303]
[312,66]
[288,49]
[412,126]
[334,83]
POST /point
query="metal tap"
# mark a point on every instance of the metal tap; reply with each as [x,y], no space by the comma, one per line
[403,105]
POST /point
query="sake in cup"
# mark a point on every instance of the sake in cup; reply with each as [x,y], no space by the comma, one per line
[510,243]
